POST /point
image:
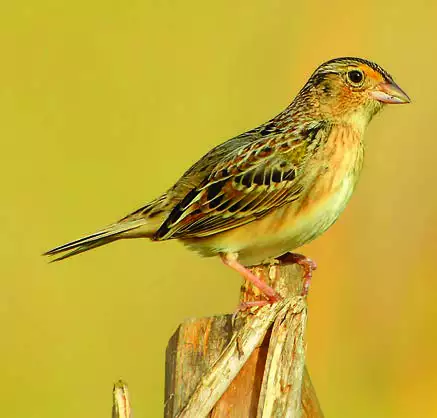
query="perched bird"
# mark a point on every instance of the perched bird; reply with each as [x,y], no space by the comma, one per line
[274,188]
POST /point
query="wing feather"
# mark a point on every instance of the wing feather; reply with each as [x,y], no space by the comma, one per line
[245,185]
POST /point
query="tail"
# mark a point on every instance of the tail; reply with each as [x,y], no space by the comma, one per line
[105,236]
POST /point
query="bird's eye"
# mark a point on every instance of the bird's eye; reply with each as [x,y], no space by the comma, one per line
[355,77]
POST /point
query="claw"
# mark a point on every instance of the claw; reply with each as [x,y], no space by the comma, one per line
[308,265]
[244,306]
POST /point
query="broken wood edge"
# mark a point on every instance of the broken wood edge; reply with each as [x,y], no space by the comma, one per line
[310,404]
[120,400]
[281,388]
[220,375]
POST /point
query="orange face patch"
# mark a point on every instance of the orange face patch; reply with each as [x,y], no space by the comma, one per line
[371,73]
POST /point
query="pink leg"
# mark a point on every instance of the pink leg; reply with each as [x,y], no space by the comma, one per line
[306,263]
[231,261]
[250,304]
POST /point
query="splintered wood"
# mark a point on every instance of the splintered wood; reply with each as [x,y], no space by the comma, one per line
[120,400]
[250,365]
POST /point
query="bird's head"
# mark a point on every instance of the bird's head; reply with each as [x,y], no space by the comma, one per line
[351,90]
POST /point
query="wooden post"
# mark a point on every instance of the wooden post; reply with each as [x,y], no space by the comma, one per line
[120,400]
[250,365]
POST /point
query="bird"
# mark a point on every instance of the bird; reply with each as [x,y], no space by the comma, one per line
[266,192]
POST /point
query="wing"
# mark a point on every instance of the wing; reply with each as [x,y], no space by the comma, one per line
[250,182]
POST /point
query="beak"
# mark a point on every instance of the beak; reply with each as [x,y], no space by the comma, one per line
[389,93]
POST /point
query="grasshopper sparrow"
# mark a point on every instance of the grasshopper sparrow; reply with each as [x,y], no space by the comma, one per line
[274,188]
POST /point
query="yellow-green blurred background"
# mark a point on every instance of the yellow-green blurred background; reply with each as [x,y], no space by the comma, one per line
[103,104]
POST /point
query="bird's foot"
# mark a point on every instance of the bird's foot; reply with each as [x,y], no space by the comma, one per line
[253,303]
[271,295]
[308,265]
[248,305]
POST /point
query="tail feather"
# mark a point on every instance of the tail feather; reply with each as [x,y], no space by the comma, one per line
[102,237]
[81,248]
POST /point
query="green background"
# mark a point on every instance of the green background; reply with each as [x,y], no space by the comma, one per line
[103,104]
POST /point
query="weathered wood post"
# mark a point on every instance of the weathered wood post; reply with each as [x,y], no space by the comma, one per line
[250,365]
[120,400]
